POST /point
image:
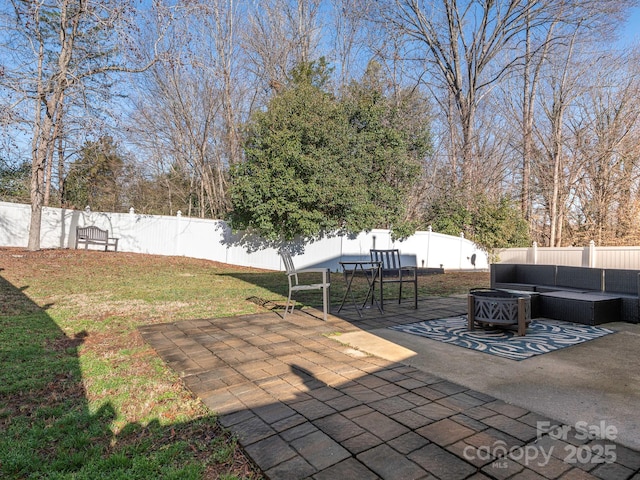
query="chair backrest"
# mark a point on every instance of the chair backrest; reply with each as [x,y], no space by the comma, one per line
[390,258]
[288,262]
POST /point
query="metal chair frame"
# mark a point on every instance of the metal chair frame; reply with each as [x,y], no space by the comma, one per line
[296,286]
[392,271]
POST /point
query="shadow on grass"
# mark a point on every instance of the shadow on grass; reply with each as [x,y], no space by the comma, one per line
[275,283]
[49,430]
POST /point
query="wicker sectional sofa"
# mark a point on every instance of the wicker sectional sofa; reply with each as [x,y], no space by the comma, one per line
[576,294]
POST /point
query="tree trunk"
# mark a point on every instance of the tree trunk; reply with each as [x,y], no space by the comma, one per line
[37,199]
[556,165]
[527,131]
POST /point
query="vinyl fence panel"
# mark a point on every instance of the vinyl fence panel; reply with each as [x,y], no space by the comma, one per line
[214,240]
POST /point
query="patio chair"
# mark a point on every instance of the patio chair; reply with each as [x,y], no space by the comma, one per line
[393,272]
[296,286]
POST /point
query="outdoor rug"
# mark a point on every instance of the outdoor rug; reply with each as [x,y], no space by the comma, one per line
[543,336]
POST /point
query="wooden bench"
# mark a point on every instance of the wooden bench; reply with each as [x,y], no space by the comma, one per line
[95,236]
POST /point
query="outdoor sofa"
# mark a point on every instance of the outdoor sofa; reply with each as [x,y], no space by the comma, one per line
[577,294]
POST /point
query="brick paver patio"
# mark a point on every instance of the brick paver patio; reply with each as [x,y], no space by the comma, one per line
[305,406]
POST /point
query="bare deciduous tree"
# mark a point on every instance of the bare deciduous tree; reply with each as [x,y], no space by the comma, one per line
[554,174]
[189,107]
[605,131]
[469,45]
[281,35]
[60,49]
[351,40]
[587,20]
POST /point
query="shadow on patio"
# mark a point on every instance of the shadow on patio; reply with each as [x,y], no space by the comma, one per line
[304,405]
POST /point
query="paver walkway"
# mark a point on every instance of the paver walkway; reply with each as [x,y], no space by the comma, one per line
[305,406]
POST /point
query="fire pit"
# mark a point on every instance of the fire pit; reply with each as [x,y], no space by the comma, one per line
[499,308]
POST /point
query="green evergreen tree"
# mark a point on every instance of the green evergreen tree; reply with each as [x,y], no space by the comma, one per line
[389,144]
[97,178]
[317,164]
[14,182]
[489,223]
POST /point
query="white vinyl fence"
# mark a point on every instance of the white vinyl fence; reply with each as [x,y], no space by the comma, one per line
[214,240]
[590,256]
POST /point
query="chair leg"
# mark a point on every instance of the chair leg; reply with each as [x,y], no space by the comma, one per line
[400,294]
[286,307]
[326,306]
[415,294]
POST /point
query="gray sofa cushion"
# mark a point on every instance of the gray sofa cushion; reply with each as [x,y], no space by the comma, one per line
[579,278]
[537,274]
[622,281]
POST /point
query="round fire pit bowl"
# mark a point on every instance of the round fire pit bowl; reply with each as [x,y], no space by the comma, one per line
[499,308]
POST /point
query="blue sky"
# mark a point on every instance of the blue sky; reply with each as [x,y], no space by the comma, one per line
[631,32]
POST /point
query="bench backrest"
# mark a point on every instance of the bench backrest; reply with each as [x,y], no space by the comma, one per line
[92,233]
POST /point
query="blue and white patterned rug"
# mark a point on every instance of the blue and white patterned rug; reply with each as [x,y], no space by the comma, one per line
[542,336]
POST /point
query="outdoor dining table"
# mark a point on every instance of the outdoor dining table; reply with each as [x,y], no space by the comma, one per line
[372,271]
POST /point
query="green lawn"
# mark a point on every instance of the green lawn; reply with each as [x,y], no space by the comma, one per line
[82,396]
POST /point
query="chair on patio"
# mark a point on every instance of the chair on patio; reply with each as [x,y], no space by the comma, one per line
[393,272]
[296,286]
